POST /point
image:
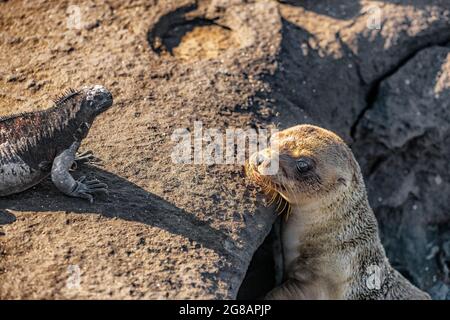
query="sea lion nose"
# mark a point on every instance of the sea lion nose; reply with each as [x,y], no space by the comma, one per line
[265,162]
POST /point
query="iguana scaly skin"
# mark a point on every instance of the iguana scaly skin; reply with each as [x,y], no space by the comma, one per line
[38,144]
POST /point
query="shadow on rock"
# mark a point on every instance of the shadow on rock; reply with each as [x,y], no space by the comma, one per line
[125,201]
[6,217]
[338,9]
[316,100]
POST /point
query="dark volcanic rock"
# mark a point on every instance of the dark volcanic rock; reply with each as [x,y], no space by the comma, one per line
[333,55]
[403,146]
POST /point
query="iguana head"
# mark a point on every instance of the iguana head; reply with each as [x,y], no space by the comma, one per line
[81,107]
[88,102]
[95,99]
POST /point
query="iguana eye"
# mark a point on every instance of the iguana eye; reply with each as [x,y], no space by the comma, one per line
[303,165]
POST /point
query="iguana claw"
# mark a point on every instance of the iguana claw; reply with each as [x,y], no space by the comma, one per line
[86,188]
[85,157]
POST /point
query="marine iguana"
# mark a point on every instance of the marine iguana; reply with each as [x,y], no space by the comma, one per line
[39,144]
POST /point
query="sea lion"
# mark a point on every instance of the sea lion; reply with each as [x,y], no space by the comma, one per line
[331,245]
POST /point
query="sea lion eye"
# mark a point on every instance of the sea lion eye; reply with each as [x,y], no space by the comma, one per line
[303,165]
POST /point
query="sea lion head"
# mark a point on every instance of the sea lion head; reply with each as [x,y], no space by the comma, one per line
[314,164]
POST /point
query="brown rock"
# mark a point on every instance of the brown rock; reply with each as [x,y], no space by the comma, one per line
[190,231]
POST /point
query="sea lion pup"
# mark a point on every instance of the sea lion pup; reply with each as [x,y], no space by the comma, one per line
[330,239]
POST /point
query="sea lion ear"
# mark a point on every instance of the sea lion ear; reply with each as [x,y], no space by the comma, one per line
[342,180]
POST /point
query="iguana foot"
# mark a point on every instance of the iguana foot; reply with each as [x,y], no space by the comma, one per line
[63,180]
[87,188]
[85,157]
